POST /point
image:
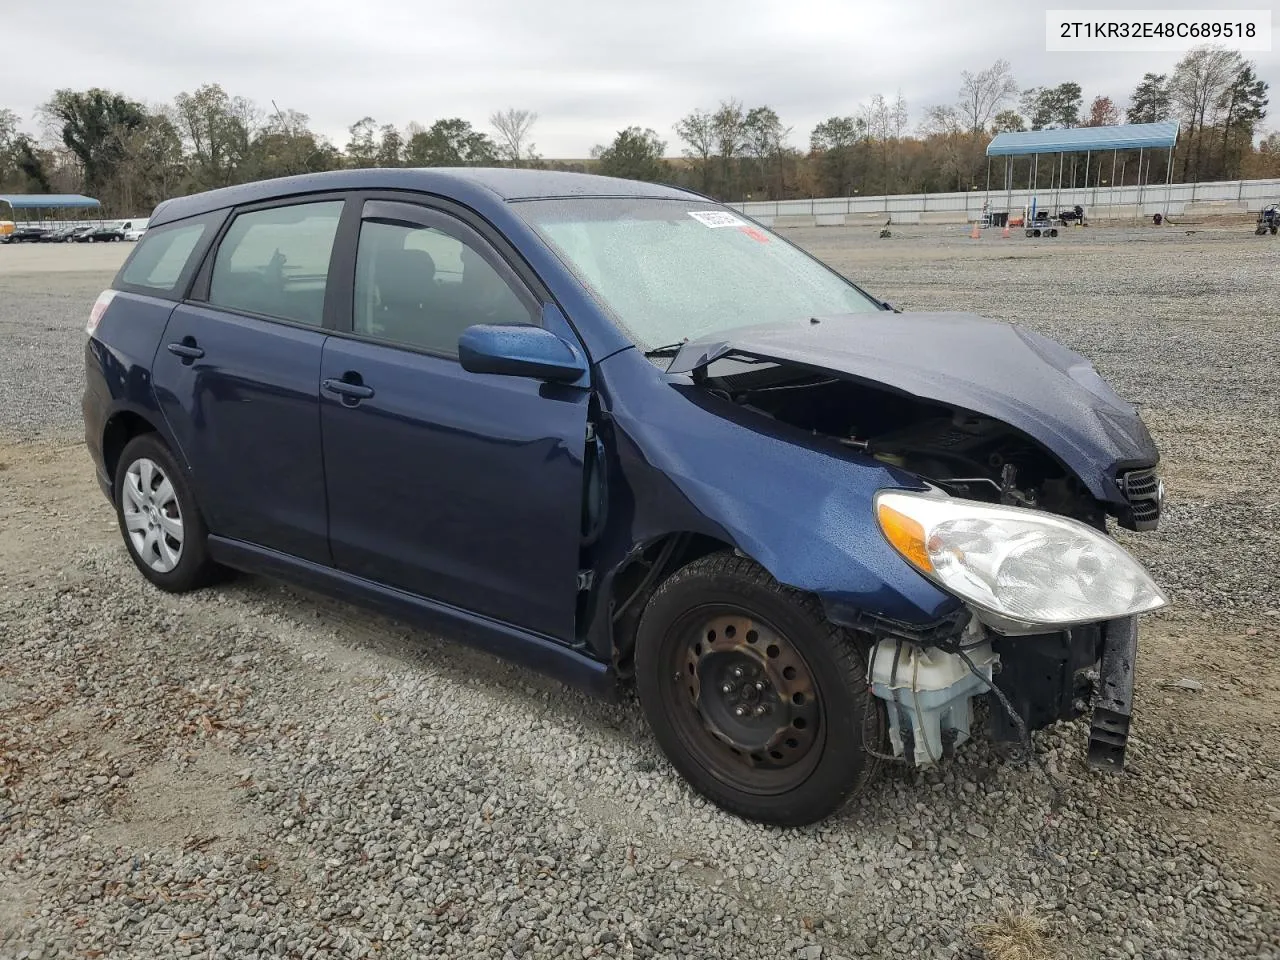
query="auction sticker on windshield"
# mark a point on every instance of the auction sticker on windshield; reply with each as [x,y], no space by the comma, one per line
[717,218]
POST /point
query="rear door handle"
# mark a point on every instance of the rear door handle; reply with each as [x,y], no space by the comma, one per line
[187,351]
[348,391]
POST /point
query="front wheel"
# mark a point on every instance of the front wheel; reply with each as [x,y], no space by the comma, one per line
[159,519]
[758,701]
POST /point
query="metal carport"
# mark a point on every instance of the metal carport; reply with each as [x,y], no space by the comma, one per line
[1143,137]
[47,201]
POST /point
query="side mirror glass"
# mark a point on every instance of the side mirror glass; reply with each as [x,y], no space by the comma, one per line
[519,351]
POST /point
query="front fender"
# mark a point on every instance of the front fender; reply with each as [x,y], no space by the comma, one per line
[801,507]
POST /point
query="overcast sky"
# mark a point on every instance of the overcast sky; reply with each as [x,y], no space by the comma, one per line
[587,67]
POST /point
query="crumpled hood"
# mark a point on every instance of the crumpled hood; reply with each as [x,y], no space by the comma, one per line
[990,367]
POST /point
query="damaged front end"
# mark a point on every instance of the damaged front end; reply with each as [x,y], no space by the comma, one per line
[930,685]
[1026,453]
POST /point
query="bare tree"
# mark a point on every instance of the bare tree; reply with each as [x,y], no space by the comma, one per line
[698,132]
[1196,89]
[940,121]
[982,94]
[512,127]
[899,115]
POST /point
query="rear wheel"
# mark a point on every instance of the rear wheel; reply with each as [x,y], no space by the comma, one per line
[161,525]
[757,700]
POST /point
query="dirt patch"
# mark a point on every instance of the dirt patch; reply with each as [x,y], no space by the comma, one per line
[189,803]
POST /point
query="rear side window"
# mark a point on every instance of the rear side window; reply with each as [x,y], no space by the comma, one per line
[275,262]
[162,256]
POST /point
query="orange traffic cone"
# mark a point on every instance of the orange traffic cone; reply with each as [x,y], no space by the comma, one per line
[975,233]
[1005,232]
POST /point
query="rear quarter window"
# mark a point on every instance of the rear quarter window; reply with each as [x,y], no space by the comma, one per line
[164,257]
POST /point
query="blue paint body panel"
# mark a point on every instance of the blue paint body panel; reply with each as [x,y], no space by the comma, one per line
[799,506]
[463,487]
[246,418]
[118,370]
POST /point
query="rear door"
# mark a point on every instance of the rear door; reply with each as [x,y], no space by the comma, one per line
[464,488]
[237,376]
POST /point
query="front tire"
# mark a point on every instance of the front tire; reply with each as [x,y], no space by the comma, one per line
[159,520]
[758,701]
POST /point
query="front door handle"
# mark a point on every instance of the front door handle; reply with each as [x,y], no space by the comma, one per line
[188,351]
[350,392]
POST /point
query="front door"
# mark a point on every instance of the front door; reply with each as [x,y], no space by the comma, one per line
[237,376]
[463,488]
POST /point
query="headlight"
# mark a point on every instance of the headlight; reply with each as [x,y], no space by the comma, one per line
[1026,565]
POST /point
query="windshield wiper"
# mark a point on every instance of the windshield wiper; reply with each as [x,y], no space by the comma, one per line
[670,350]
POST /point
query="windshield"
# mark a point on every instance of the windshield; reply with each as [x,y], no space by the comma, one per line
[671,270]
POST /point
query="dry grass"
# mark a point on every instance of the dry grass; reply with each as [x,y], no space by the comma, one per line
[1017,935]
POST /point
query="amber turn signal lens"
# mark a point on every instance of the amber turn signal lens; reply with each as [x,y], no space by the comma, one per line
[906,535]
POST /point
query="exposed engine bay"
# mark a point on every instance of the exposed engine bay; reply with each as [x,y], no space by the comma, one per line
[967,454]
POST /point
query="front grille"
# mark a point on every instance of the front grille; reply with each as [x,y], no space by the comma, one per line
[1139,484]
[1144,492]
[1145,510]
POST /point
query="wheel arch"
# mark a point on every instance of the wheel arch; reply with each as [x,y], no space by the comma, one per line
[121,427]
[639,575]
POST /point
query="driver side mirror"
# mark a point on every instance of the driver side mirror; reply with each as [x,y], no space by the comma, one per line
[519,351]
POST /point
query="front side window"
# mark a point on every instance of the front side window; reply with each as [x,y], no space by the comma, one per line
[420,286]
[275,262]
[674,269]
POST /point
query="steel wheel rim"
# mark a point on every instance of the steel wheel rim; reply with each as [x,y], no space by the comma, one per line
[718,647]
[152,515]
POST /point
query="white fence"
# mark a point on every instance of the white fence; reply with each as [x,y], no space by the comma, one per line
[1234,196]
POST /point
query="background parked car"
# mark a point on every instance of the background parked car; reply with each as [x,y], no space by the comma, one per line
[99,234]
[59,234]
[134,233]
[26,233]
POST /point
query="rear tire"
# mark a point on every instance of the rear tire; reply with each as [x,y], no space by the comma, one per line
[759,702]
[159,520]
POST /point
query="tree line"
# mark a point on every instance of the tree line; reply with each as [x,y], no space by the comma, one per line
[132,155]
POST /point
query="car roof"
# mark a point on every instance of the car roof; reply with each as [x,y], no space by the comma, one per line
[500,183]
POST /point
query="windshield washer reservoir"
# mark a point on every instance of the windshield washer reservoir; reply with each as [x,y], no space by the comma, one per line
[928,691]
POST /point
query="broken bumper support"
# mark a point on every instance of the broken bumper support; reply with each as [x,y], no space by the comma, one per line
[1113,706]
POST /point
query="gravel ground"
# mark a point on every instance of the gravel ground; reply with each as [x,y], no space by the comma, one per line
[254,771]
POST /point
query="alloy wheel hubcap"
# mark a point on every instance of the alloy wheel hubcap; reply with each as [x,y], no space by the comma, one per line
[152,516]
[752,690]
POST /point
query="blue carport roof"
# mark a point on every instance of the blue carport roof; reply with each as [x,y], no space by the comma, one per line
[1126,136]
[47,201]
